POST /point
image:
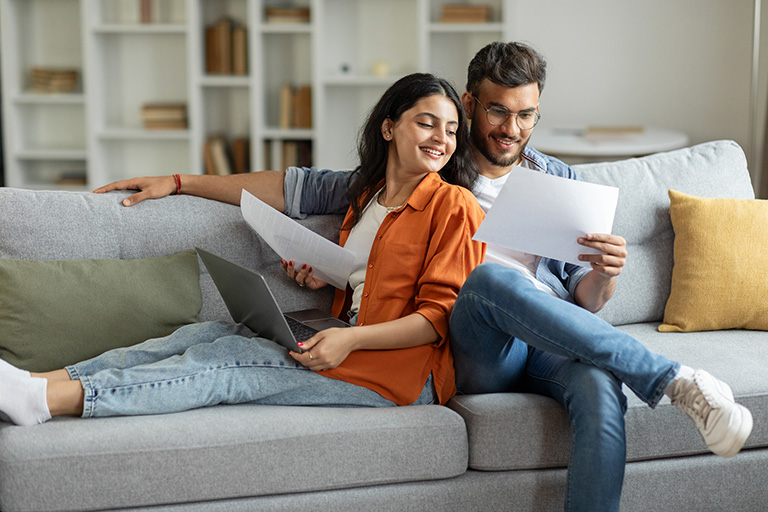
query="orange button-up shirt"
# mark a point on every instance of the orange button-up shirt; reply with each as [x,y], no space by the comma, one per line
[421,256]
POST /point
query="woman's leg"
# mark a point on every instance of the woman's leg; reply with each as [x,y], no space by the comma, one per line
[229,370]
[155,349]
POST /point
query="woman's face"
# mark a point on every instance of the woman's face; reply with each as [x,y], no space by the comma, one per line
[424,138]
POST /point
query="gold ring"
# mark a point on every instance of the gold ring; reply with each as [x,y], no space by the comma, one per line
[310,355]
[301,284]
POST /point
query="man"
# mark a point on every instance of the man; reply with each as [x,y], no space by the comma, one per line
[522,322]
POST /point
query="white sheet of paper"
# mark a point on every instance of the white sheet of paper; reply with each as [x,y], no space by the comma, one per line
[544,215]
[293,242]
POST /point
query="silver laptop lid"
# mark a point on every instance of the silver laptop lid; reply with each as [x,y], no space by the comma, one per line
[249,299]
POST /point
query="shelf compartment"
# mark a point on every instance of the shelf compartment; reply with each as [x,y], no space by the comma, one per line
[129,158]
[125,58]
[50,173]
[358,38]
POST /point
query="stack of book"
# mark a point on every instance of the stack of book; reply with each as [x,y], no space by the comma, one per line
[295,106]
[164,116]
[219,159]
[286,14]
[54,80]
[465,13]
[226,48]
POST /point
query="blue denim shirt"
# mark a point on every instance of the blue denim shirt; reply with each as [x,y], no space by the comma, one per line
[309,191]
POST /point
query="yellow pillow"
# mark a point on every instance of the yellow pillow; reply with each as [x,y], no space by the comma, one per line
[720,277]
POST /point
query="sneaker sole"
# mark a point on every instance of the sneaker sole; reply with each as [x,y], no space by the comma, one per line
[737,442]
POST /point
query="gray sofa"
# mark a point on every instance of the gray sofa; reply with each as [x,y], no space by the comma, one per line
[482,452]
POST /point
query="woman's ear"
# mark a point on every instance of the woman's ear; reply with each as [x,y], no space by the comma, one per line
[387,128]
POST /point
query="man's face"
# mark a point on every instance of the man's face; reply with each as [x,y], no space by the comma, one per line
[499,146]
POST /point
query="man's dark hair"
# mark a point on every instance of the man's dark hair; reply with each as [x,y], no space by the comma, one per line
[508,64]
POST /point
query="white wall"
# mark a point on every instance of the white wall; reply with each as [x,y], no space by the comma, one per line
[680,64]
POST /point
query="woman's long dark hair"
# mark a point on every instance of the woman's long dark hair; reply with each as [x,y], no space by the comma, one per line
[372,149]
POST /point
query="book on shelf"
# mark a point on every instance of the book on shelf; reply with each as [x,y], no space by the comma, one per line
[216,157]
[164,116]
[239,50]
[465,13]
[226,48]
[53,80]
[241,155]
[221,159]
[295,106]
[281,154]
[286,15]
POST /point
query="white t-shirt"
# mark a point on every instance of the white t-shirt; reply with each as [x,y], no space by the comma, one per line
[360,240]
[486,191]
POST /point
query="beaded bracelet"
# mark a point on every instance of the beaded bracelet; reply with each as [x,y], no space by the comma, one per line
[177,179]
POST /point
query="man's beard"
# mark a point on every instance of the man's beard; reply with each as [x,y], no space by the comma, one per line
[483,145]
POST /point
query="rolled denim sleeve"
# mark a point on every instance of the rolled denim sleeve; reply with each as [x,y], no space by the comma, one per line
[309,191]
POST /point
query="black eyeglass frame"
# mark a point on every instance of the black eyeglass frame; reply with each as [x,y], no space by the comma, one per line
[499,111]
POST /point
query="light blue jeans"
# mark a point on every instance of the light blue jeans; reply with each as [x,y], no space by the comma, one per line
[506,335]
[208,364]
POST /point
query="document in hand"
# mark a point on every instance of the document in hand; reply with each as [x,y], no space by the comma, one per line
[544,215]
[293,242]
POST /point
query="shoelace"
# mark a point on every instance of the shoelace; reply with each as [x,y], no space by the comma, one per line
[694,401]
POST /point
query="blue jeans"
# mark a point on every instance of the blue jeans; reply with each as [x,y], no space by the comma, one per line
[506,335]
[208,364]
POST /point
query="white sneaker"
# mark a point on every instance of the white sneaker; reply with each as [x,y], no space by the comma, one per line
[724,424]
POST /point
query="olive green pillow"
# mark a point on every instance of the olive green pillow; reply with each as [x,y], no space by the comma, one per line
[55,313]
[720,276]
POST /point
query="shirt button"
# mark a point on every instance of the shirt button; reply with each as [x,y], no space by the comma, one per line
[365,295]
[370,265]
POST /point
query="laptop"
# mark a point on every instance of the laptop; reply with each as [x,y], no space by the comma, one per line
[250,302]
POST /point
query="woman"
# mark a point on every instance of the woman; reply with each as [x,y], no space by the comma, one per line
[414,231]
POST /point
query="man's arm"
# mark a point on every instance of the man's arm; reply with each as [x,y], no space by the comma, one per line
[597,287]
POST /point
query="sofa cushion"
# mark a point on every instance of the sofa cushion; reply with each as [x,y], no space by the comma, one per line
[223,452]
[106,229]
[712,169]
[55,313]
[721,264]
[540,425]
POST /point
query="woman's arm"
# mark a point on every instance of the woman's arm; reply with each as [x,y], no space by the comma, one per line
[266,185]
[329,348]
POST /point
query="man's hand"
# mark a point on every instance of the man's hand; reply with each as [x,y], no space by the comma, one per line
[597,287]
[614,258]
[152,187]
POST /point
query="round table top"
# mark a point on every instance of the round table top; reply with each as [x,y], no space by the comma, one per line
[607,141]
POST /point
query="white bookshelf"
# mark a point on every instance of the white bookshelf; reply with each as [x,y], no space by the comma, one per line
[349,52]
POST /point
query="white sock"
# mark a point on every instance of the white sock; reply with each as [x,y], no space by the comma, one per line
[6,367]
[23,399]
[685,372]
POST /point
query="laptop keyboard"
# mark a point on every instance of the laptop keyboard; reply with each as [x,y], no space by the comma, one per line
[300,331]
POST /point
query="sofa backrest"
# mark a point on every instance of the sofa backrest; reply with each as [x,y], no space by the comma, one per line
[712,169]
[48,225]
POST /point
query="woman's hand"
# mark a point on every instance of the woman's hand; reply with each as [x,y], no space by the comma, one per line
[302,276]
[327,349]
[151,187]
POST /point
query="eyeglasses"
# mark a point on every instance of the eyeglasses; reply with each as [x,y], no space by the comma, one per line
[497,116]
